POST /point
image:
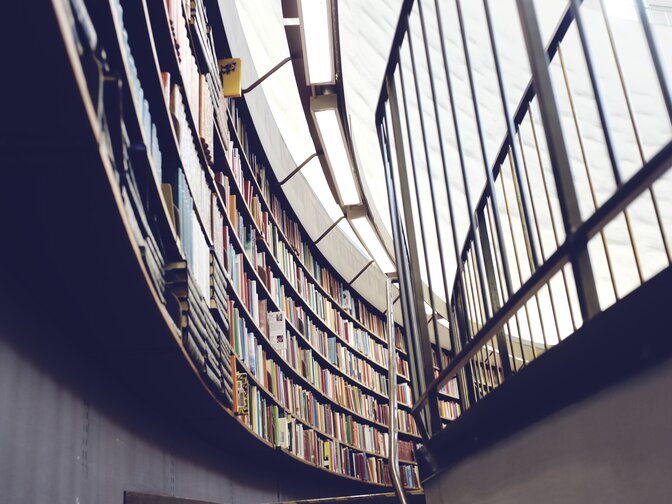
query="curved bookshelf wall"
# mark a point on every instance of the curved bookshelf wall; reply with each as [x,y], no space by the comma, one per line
[222,249]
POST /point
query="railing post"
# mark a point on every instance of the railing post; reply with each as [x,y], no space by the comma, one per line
[393,450]
[465,378]
[420,350]
[489,263]
[569,206]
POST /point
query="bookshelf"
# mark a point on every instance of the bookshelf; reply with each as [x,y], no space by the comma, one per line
[220,248]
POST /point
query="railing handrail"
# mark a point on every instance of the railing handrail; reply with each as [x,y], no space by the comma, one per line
[478,315]
[518,117]
[393,455]
[624,195]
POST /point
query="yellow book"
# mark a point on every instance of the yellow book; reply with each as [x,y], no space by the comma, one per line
[231,74]
[326,456]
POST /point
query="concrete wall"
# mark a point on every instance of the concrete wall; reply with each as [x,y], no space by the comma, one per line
[615,447]
[72,432]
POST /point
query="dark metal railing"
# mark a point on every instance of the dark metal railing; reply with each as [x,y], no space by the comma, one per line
[541,255]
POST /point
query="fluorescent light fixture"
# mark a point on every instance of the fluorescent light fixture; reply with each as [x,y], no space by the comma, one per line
[442,321]
[317,38]
[325,112]
[368,236]
[428,309]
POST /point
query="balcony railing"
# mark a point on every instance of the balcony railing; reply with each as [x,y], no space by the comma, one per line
[574,209]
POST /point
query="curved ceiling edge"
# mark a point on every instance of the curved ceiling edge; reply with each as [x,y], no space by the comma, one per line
[299,194]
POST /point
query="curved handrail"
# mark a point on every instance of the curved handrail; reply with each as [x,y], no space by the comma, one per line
[476,313]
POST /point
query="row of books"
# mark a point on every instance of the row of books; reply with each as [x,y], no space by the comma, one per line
[320,306]
[195,173]
[404,394]
[199,70]
[128,154]
[253,353]
[248,289]
[402,366]
[267,421]
[450,388]
[290,229]
[410,477]
[143,232]
[329,427]
[192,237]
[406,422]
[327,346]
[296,401]
[449,410]
[342,357]
[142,105]
[445,359]
[399,339]
[203,337]
[406,451]
[189,71]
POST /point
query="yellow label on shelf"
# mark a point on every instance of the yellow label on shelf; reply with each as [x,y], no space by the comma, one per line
[232,75]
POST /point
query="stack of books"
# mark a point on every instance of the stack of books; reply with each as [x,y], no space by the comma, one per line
[202,337]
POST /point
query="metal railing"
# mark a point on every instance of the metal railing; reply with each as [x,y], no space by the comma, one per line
[393,430]
[565,216]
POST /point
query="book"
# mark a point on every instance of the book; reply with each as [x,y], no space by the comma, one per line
[242,406]
[277,332]
[263,318]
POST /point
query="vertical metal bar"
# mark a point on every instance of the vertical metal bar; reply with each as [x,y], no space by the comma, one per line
[460,320]
[444,165]
[510,133]
[571,216]
[458,141]
[496,264]
[633,122]
[455,342]
[495,251]
[655,57]
[424,357]
[470,300]
[490,184]
[512,348]
[516,257]
[392,377]
[421,217]
[550,212]
[480,301]
[494,295]
[586,166]
[454,336]
[536,224]
[487,371]
[597,92]
[403,268]
[520,341]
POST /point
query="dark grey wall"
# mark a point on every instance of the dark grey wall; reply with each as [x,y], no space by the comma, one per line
[71,432]
[615,447]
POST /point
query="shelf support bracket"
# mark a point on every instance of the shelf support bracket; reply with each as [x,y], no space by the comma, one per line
[298,168]
[361,271]
[277,67]
[329,229]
